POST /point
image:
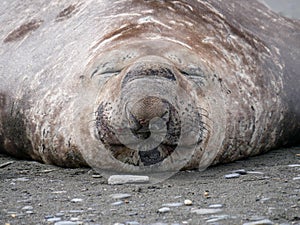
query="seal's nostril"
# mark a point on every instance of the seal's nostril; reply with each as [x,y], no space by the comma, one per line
[143,122]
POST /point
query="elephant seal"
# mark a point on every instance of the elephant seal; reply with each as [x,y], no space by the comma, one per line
[147,86]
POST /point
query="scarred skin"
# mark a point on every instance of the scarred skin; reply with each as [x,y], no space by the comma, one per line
[222,76]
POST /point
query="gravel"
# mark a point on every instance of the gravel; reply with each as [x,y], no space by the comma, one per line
[266,192]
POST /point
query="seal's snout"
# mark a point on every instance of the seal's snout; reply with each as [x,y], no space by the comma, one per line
[148,114]
[147,124]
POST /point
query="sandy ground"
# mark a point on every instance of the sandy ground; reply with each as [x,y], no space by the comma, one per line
[34,193]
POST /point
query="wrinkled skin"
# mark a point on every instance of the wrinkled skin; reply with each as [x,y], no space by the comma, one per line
[133,85]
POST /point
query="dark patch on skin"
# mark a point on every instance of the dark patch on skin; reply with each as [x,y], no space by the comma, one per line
[66,13]
[14,131]
[2,100]
[23,30]
[2,105]
[68,157]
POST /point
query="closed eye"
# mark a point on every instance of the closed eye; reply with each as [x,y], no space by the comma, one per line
[98,72]
[194,74]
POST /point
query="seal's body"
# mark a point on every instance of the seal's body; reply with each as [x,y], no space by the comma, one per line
[133,85]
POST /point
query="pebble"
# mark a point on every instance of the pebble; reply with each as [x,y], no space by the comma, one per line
[255,172]
[54,219]
[65,223]
[76,211]
[58,192]
[76,200]
[60,214]
[48,217]
[256,218]
[132,223]
[263,200]
[13,215]
[159,223]
[260,222]
[206,194]
[120,196]
[28,207]
[206,211]
[28,200]
[128,179]
[217,218]
[232,175]
[117,203]
[240,171]
[74,219]
[188,202]
[215,206]
[132,213]
[6,164]
[164,210]
[175,204]
[294,165]
[48,171]
[23,179]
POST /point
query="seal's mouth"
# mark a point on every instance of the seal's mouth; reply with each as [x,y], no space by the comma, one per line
[147,135]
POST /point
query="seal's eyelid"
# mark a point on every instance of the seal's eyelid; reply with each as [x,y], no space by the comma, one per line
[184,73]
[192,73]
[110,72]
[105,72]
[192,70]
[94,72]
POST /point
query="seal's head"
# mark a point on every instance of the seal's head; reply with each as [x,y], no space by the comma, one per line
[150,111]
[144,127]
